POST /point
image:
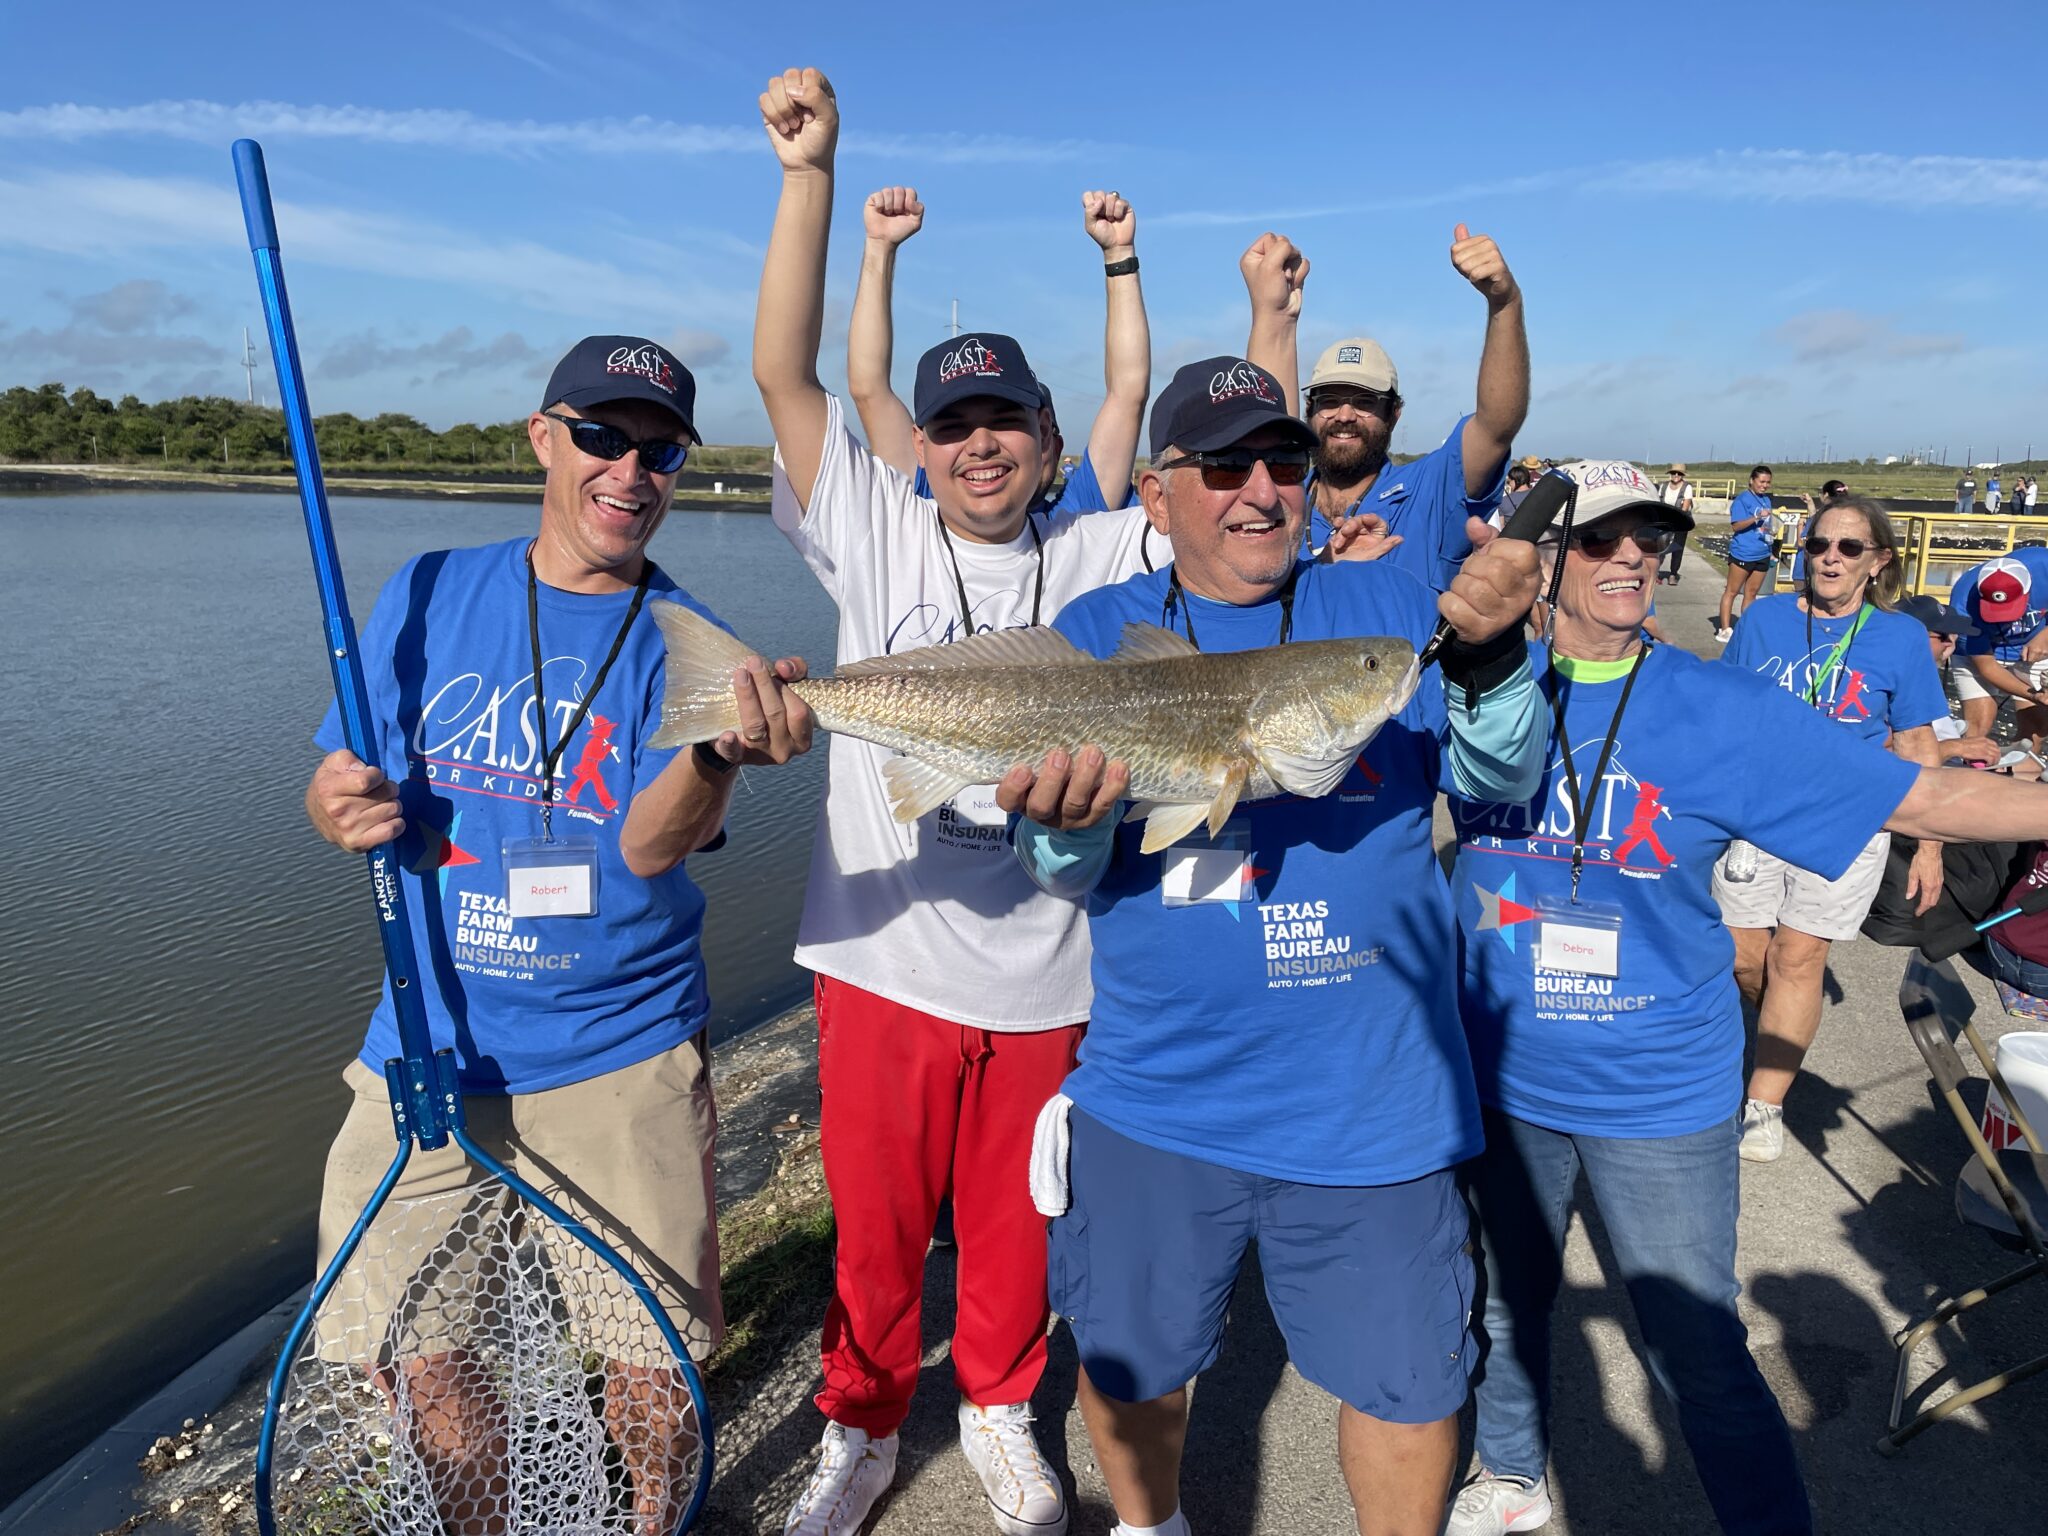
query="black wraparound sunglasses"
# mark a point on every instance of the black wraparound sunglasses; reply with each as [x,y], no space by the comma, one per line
[1650,539]
[1230,469]
[601,440]
[1852,549]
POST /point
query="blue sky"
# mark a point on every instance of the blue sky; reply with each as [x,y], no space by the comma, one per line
[1740,229]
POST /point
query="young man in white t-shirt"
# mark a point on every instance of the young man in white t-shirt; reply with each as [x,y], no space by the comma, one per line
[951,992]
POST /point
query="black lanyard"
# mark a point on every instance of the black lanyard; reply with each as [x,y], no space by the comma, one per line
[1177,599]
[550,756]
[1582,809]
[960,583]
[1838,658]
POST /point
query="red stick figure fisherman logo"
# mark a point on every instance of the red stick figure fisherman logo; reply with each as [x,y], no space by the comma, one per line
[1851,705]
[1642,826]
[597,746]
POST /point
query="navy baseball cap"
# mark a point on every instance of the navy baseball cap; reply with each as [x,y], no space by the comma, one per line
[1045,399]
[1939,618]
[1220,401]
[602,368]
[978,363]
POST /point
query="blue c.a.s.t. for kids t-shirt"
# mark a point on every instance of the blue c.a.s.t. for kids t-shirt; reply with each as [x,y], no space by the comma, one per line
[1426,503]
[1636,1029]
[1882,681]
[1305,1025]
[527,1002]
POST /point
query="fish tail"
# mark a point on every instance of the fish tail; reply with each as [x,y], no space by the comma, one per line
[697,704]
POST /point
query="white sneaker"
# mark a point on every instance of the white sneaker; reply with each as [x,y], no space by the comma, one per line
[1023,1492]
[1763,1131]
[1723,636]
[853,1471]
[1492,1506]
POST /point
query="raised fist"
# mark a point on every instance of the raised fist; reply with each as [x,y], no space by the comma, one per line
[893,215]
[802,118]
[1481,264]
[1109,220]
[1274,271]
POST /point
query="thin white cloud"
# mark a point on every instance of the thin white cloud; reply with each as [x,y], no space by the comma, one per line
[214,122]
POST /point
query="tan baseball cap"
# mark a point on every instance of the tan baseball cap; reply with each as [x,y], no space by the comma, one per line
[1611,486]
[1530,462]
[1358,361]
[1678,469]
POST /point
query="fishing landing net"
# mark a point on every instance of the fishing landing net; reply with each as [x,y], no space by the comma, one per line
[478,1370]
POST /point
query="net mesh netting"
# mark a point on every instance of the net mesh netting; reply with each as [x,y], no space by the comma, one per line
[476,1370]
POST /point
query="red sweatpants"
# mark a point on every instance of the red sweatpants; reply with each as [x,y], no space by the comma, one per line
[914,1106]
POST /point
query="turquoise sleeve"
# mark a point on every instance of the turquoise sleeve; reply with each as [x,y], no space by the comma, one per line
[1497,747]
[1065,864]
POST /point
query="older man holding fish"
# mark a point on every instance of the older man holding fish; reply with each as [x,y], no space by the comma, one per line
[1275,1052]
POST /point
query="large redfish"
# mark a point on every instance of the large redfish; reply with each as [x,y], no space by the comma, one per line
[1199,732]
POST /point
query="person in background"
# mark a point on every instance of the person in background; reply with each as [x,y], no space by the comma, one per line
[1605,1027]
[1677,492]
[1840,647]
[1354,403]
[1519,481]
[1102,478]
[2008,598]
[1992,494]
[2033,494]
[1831,491]
[1749,548]
[1966,493]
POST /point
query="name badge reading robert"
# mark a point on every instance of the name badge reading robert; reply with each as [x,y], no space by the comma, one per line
[551,878]
[1587,943]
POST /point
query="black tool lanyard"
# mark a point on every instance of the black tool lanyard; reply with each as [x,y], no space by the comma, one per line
[1582,808]
[1177,599]
[960,582]
[550,756]
[1839,657]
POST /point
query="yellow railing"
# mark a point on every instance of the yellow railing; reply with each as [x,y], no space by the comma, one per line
[1937,547]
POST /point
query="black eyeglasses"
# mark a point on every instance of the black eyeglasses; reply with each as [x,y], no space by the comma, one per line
[1375,402]
[1852,549]
[601,440]
[1651,540]
[1230,469]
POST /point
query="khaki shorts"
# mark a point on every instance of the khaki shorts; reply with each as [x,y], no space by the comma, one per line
[1783,895]
[630,1154]
[1964,678]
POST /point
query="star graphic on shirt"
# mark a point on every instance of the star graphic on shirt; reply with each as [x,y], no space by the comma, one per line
[441,853]
[1499,912]
[1247,886]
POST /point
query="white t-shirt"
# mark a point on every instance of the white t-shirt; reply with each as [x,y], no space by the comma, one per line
[937,913]
[1675,495]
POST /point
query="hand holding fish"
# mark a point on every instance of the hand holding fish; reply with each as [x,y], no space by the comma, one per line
[1065,794]
[775,725]
[351,804]
[1494,588]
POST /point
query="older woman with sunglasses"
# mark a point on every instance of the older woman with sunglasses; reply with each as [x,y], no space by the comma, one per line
[1601,1009]
[1840,647]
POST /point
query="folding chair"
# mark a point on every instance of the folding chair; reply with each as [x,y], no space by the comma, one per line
[2006,1193]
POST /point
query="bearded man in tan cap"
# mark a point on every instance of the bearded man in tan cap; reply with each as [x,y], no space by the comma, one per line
[1354,402]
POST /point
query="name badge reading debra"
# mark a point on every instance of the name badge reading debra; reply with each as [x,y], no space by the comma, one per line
[1590,948]
[551,879]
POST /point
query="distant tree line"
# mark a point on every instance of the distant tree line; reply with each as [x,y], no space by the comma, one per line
[50,426]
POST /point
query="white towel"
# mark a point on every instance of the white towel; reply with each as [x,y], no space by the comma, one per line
[1049,1147]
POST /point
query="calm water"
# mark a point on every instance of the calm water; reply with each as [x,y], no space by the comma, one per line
[184,967]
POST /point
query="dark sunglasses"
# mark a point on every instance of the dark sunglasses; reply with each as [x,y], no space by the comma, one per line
[1651,540]
[600,440]
[1852,549]
[1368,401]
[1230,469]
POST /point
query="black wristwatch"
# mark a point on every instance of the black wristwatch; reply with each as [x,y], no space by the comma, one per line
[1122,268]
[711,760]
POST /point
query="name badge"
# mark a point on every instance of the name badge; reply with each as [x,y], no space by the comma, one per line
[977,807]
[1198,873]
[1583,940]
[551,878]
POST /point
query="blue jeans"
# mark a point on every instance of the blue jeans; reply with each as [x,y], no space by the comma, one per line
[1669,1205]
[2029,976]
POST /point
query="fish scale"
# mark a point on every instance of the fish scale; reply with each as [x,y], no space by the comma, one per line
[1199,732]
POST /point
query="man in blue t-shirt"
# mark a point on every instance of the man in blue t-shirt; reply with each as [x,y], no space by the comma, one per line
[513,690]
[1749,549]
[1102,479]
[1354,403]
[2007,597]
[1230,1089]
